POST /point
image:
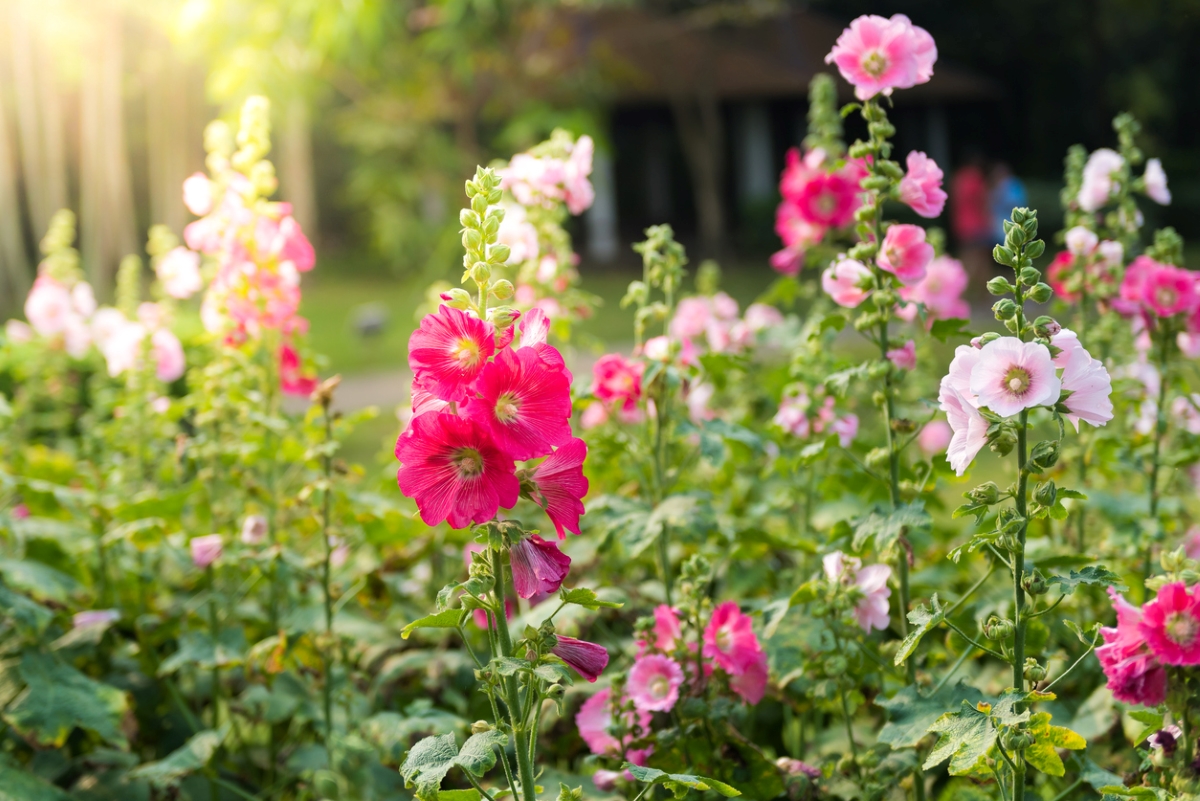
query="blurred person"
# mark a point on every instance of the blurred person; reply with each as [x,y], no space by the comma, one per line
[971,218]
[1008,192]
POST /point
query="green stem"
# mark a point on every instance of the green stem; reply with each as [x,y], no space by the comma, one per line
[1160,428]
[662,417]
[327,662]
[216,673]
[1018,663]
[524,761]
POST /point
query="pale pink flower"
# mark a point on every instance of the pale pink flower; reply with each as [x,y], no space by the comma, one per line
[698,398]
[48,306]
[792,415]
[751,683]
[1013,375]
[594,415]
[839,568]
[1171,624]
[519,234]
[123,348]
[77,336]
[935,437]
[606,780]
[872,610]
[969,427]
[847,281]
[576,186]
[595,723]
[198,194]
[1098,178]
[179,272]
[254,530]
[205,550]
[1086,379]
[667,628]
[761,316]
[959,373]
[1134,674]
[83,299]
[905,253]
[921,187]
[339,552]
[691,317]
[95,617]
[1156,183]
[1112,253]
[654,682]
[1191,543]
[169,363]
[905,356]
[846,428]
[794,767]
[940,290]
[657,349]
[1081,241]
[18,331]
[877,55]
[105,324]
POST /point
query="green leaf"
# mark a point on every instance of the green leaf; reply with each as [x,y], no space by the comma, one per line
[478,754]
[1097,776]
[679,783]
[508,666]
[470,794]
[910,714]
[954,327]
[427,764]
[21,785]
[886,528]
[1043,754]
[1096,575]
[192,756]
[196,648]
[447,619]
[59,699]
[1153,721]
[924,620]
[964,737]
[582,596]
[553,672]
[42,582]
[839,383]
[29,617]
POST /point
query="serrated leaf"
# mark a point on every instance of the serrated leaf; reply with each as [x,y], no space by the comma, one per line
[885,528]
[924,619]
[582,596]
[478,754]
[508,666]
[679,781]
[192,756]
[58,699]
[553,673]
[427,764]
[197,649]
[446,619]
[910,714]
[964,737]
[1153,721]
[1047,739]
[30,617]
[1095,575]
[1097,776]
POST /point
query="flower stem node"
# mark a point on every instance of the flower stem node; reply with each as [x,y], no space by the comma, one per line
[1034,671]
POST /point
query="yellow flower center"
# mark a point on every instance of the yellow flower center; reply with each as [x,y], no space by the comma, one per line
[465,352]
[468,462]
[875,63]
[507,407]
[1017,380]
[659,686]
[1182,628]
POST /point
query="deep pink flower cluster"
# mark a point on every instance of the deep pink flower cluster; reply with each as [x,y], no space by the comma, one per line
[1151,290]
[877,55]
[818,195]
[797,416]
[1165,631]
[481,403]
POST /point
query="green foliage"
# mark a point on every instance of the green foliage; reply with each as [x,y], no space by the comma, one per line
[679,783]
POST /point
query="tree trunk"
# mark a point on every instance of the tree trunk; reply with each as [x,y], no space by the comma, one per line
[698,121]
[14,260]
[296,165]
[168,134]
[25,95]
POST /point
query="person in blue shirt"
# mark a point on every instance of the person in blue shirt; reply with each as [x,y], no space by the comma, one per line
[1008,193]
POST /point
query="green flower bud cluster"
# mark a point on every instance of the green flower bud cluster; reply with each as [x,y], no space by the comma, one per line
[1167,247]
[61,259]
[824,121]
[129,285]
[484,254]
[663,262]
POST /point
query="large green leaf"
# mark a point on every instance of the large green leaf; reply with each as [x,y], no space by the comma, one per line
[192,756]
[478,754]
[1047,739]
[58,699]
[427,764]
[910,714]
[20,785]
[446,619]
[923,619]
[38,580]
[1095,575]
[885,528]
[679,783]
[29,617]
[965,737]
[582,596]
[197,649]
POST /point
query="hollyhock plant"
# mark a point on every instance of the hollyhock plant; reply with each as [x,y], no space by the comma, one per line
[1134,674]
[921,187]
[877,55]
[847,282]
[617,380]
[871,581]
[905,356]
[905,253]
[524,402]
[829,199]
[940,291]
[205,550]
[1012,375]
[1170,624]
[587,658]
[559,486]
[729,639]
[654,682]
[448,352]
[537,566]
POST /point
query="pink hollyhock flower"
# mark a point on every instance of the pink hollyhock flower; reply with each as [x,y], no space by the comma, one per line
[606,780]
[537,566]
[594,415]
[761,316]
[198,194]
[840,568]
[877,55]
[292,379]
[657,349]
[794,767]
[1170,290]
[1191,544]
[1086,379]
[1156,183]
[829,199]
[959,373]
[77,336]
[560,485]
[751,683]
[667,628]
[587,658]
[123,348]
[95,617]
[1013,375]
[1098,178]
[935,437]
[797,233]
[449,351]
[698,398]
[691,317]
[206,550]
[179,272]
[654,682]
[1170,625]
[1135,675]
[905,253]
[729,639]
[969,427]
[792,415]
[595,724]
[905,356]
[524,403]
[454,471]
[20,511]
[921,187]
[291,245]
[1058,273]
[206,235]
[519,234]
[797,172]
[48,306]
[577,189]
[615,379]
[872,610]
[83,299]
[254,530]
[846,428]
[847,281]
[168,355]
[18,331]
[1130,294]
[940,290]
[1081,241]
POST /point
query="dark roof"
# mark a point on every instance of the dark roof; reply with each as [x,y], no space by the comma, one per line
[650,57]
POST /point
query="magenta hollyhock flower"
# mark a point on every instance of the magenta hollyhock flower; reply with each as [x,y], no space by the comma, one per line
[654,682]
[729,639]
[617,380]
[1013,375]
[877,55]
[205,549]
[847,282]
[292,379]
[1170,290]
[798,171]
[524,403]
[595,723]
[1086,379]
[1170,624]
[537,566]
[798,235]
[751,683]
[667,628]
[560,485]
[921,187]
[1156,183]
[1098,178]
[454,470]
[587,658]
[449,351]
[829,199]
[1057,274]
[905,253]
[1134,674]
[969,427]
[1131,293]
[905,356]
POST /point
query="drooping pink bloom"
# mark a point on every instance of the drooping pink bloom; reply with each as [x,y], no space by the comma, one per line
[969,427]
[729,639]
[921,187]
[586,658]
[1085,378]
[560,485]
[537,566]
[524,402]
[751,683]
[761,316]
[617,380]
[935,437]
[291,245]
[905,356]
[48,306]
[941,290]
[905,253]
[654,682]
[1156,183]
[667,628]
[829,199]
[95,617]
[292,378]
[454,470]
[1099,178]
[1081,241]
[872,610]
[595,723]
[1170,290]
[1170,624]
[198,194]
[254,530]
[449,351]
[1013,375]
[877,55]
[847,282]
[205,550]
[179,272]
[1134,674]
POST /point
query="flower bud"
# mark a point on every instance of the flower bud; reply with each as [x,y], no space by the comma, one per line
[890,168]
[556,692]
[1045,493]
[1046,327]
[1005,309]
[499,253]
[877,370]
[903,426]
[876,183]
[481,272]
[504,316]
[1041,293]
[1029,276]
[1008,542]
[987,493]
[999,286]
[1173,561]
[480,726]
[468,218]
[1015,740]
[868,759]
[1003,442]
[998,628]
[877,457]
[1045,455]
[502,289]
[863,251]
[457,298]
[835,666]
[1035,583]
[1034,671]
[859,150]
[1003,255]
